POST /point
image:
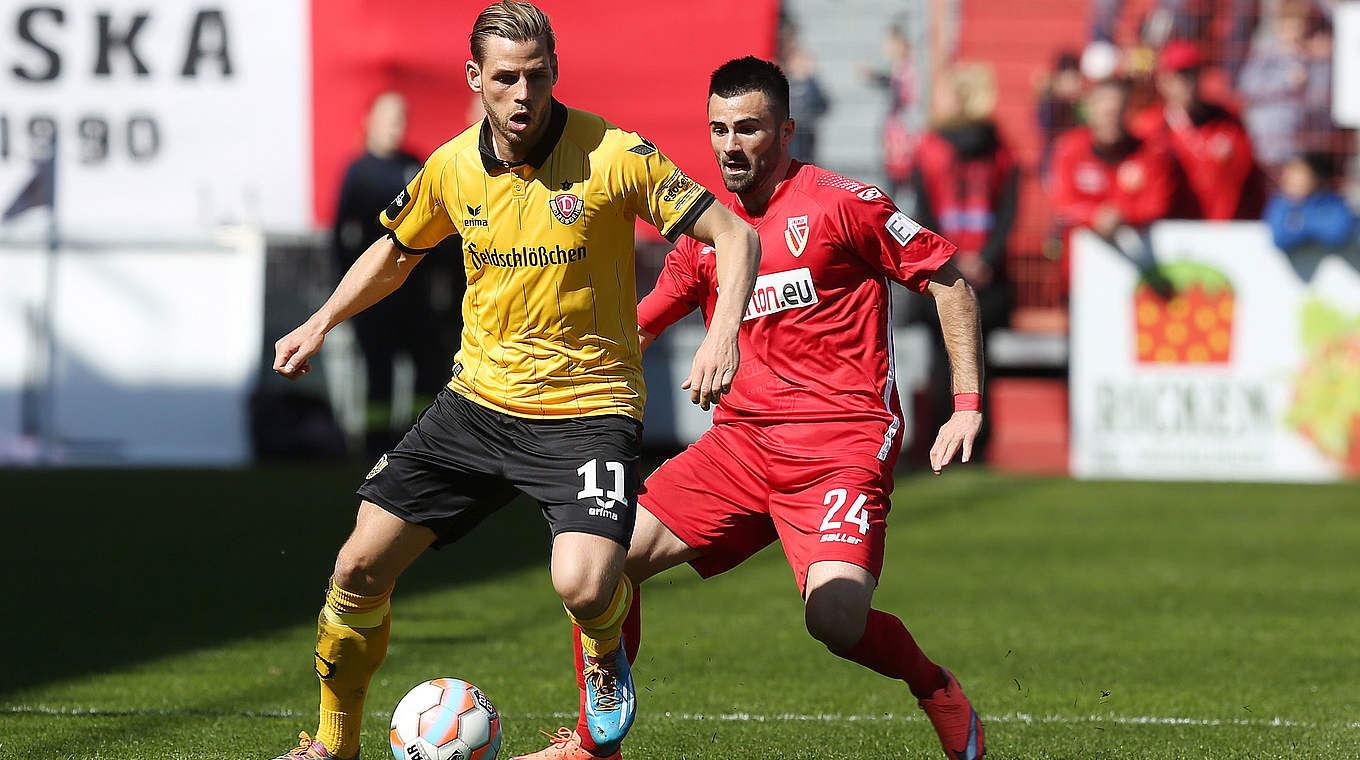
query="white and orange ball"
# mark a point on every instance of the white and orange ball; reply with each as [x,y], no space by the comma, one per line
[445,719]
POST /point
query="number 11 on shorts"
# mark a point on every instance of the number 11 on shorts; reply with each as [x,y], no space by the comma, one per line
[590,481]
[856,514]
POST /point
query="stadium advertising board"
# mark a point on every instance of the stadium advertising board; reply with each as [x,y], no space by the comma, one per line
[1217,357]
[169,117]
[146,370]
[1346,65]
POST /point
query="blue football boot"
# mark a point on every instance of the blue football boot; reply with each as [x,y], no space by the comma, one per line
[611,702]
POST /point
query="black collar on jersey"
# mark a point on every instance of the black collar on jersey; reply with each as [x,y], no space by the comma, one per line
[557,122]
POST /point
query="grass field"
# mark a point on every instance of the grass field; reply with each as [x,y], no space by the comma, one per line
[171,615]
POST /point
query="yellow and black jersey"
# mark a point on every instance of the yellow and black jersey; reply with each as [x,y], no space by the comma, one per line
[550,313]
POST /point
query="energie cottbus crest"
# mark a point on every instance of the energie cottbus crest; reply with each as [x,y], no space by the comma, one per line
[796,236]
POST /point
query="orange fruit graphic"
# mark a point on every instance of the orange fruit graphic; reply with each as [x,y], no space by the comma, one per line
[1183,315]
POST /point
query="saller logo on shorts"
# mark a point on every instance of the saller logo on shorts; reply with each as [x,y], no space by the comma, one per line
[778,291]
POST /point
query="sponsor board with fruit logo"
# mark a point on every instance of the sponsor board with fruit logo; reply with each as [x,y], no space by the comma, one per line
[1210,354]
[1325,406]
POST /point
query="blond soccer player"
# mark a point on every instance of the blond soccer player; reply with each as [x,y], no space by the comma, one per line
[546,396]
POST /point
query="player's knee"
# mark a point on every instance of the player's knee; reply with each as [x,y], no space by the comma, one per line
[360,573]
[584,594]
[836,622]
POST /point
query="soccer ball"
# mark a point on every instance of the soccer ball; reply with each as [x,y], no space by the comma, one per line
[445,719]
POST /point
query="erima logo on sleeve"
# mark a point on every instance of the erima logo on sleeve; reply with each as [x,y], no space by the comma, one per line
[398,203]
[902,227]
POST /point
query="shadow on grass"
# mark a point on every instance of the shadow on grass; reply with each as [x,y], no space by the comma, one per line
[105,568]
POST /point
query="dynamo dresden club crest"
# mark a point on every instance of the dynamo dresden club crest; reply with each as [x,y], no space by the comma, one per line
[566,207]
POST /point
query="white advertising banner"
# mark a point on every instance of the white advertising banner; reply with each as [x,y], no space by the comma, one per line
[1217,357]
[170,117]
[1346,65]
[156,351]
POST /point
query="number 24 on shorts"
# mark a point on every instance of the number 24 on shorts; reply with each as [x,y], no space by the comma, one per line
[856,514]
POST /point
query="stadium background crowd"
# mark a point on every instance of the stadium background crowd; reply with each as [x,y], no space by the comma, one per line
[1004,126]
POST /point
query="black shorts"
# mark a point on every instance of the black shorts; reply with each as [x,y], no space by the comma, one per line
[462,461]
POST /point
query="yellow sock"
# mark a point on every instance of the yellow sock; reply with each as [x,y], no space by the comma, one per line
[351,642]
[600,634]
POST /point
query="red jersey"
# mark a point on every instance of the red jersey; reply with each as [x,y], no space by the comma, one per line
[1136,177]
[816,343]
[1215,157]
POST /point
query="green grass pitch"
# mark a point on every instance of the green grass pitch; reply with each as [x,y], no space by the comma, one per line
[154,614]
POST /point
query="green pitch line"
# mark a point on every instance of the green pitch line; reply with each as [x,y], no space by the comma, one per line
[170,615]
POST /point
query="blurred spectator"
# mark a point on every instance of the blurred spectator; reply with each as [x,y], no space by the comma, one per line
[1287,88]
[1307,211]
[899,141]
[807,101]
[965,183]
[1059,97]
[1210,145]
[404,322]
[1103,177]
[1223,27]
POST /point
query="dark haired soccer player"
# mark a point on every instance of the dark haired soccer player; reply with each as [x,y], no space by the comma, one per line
[802,449]
[547,390]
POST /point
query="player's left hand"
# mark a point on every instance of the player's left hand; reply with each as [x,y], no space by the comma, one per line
[958,433]
[715,365]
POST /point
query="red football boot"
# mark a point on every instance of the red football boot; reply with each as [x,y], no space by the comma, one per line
[955,721]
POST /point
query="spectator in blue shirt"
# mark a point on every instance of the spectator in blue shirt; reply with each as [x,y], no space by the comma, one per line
[1307,210]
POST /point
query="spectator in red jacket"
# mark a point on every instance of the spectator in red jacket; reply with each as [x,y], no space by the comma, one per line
[1210,145]
[1103,177]
[965,182]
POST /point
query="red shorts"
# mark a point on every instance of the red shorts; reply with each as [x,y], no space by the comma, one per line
[737,489]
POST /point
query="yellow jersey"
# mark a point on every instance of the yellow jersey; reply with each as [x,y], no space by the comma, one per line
[550,313]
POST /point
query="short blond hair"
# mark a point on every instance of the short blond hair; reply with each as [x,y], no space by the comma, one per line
[512,20]
[973,86]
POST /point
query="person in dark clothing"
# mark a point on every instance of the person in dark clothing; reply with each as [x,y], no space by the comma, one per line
[807,102]
[1059,99]
[966,186]
[405,321]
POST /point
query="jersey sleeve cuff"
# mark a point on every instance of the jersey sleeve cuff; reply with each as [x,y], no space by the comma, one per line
[696,209]
[392,235]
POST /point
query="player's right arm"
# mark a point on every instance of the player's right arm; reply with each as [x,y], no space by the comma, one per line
[737,255]
[673,203]
[374,275]
[679,290]
[418,224]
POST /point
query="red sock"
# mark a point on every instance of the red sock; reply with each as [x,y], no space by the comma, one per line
[632,640]
[888,648]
